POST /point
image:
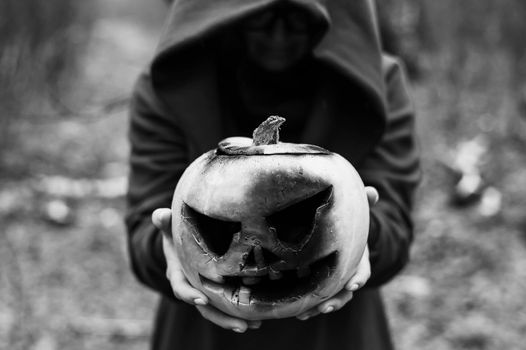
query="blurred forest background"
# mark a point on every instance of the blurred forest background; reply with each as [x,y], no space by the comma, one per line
[66,69]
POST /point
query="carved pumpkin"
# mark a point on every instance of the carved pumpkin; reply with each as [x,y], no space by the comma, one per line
[268,229]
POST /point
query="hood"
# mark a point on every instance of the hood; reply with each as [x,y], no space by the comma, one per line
[349,44]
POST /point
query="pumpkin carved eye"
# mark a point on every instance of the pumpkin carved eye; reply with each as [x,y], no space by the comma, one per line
[296,222]
[216,234]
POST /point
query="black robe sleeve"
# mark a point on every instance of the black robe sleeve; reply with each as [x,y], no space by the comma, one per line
[393,168]
[157,160]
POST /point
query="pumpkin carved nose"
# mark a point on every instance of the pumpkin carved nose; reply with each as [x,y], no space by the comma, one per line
[260,257]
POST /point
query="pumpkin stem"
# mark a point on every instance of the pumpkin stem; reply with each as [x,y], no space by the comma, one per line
[267,133]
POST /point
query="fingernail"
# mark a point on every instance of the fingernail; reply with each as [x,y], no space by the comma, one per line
[303,318]
[254,325]
[238,330]
[199,301]
[328,309]
[353,287]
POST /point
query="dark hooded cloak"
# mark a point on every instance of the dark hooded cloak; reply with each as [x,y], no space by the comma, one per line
[359,108]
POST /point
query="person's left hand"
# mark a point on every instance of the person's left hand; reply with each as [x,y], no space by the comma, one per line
[356,282]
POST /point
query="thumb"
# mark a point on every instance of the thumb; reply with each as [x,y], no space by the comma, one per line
[162,219]
[372,195]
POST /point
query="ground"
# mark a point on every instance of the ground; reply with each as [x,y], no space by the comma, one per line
[65,277]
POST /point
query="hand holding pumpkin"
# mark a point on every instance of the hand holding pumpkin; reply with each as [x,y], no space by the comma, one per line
[185,292]
[182,289]
[265,229]
[357,281]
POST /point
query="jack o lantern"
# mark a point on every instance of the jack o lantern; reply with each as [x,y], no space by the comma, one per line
[268,229]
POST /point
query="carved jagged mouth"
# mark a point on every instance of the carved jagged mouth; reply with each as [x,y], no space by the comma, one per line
[274,287]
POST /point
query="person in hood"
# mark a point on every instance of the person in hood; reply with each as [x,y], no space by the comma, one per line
[221,68]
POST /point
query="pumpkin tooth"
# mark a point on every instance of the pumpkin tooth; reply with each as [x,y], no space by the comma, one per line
[244,295]
[303,271]
[275,275]
[235,296]
[251,280]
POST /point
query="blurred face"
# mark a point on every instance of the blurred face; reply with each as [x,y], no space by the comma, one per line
[278,38]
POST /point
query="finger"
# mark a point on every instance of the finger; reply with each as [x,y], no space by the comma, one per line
[254,324]
[172,260]
[333,304]
[336,302]
[162,219]
[372,195]
[182,289]
[169,248]
[362,274]
[308,314]
[222,320]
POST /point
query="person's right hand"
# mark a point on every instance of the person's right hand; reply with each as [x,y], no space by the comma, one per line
[182,289]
